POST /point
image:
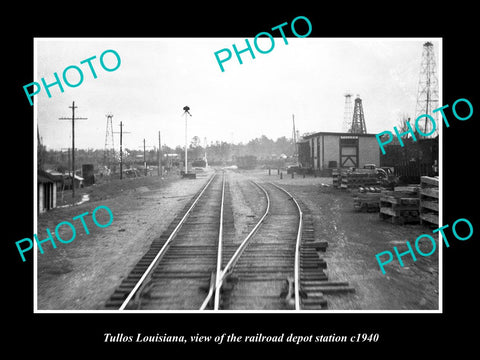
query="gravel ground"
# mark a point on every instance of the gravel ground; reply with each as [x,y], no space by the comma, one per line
[354,238]
[248,204]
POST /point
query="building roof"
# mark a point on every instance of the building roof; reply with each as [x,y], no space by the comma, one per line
[58,176]
[309,136]
[55,175]
[44,177]
[69,175]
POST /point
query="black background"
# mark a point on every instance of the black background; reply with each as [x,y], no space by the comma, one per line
[402,334]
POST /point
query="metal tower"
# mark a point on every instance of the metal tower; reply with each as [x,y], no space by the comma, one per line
[348,115]
[294,139]
[427,96]
[109,151]
[358,122]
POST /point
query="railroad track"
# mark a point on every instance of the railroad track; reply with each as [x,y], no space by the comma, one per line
[180,261]
[195,265]
[257,280]
[279,265]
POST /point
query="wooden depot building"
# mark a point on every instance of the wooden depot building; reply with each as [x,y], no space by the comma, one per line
[327,150]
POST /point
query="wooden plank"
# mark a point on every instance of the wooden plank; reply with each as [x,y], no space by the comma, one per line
[412,189]
[318,244]
[388,211]
[389,199]
[429,180]
[399,212]
[401,204]
[399,197]
[432,192]
[328,289]
[432,205]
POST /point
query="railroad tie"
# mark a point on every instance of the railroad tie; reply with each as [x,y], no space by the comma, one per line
[327,287]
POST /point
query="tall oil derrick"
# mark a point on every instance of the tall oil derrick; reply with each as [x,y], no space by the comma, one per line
[109,150]
[427,96]
[348,115]
[358,121]
[294,140]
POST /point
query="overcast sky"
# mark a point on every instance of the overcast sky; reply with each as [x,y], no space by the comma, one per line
[158,77]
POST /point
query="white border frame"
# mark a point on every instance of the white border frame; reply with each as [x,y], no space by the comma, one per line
[291,312]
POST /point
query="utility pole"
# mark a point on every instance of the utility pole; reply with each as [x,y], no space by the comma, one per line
[73,107]
[121,152]
[145,156]
[206,160]
[69,159]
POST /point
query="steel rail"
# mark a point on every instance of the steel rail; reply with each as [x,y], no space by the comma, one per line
[220,241]
[231,263]
[297,249]
[164,247]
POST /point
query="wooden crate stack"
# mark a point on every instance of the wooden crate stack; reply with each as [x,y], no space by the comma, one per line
[429,200]
[399,207]
[357,179]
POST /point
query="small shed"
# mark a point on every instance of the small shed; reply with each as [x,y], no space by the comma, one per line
[46,191]
[78,180]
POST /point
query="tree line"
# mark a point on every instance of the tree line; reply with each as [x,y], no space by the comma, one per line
[218,152]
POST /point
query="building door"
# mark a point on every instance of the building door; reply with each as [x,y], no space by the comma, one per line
[349,151]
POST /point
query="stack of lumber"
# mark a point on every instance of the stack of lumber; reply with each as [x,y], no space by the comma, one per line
[357,179]
[429,200]
[399,207]
[337,177]
[367,201]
